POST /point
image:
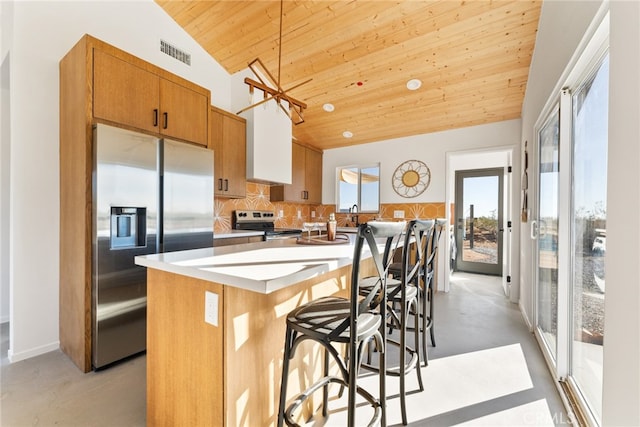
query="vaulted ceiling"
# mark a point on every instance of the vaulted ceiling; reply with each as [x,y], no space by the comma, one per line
[472,58]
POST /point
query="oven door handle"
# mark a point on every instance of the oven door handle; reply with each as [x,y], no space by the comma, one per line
[281,236]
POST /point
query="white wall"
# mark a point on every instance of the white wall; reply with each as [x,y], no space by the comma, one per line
[434,149]
[6,31]
[43,33]
[429,148]
[6,10]
[622,304]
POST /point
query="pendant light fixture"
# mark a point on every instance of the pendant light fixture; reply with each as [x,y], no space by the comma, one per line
[271,86]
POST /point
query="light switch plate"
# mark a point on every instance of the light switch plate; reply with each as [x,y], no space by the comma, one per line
[211,308]
[398,214]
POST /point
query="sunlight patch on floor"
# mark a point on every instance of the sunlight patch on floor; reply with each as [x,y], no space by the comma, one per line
[458,382]
[530,414]
[467,379]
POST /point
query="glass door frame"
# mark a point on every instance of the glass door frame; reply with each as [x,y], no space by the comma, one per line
[480,268]
[559,363]
[592,51]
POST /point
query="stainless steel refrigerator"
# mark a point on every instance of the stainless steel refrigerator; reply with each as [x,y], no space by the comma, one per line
[150,195]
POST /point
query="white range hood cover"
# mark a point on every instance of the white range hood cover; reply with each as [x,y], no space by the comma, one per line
[269,136]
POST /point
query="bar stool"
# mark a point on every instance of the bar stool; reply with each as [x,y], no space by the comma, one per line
[403,293]
[333,320]
[431,280]
[423,260]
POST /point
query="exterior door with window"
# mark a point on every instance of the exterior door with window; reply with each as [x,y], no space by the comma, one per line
[479,221]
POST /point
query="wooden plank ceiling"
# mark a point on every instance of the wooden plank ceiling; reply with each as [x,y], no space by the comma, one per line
[471,56]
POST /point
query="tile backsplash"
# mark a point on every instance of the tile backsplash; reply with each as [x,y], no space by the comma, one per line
[292,215]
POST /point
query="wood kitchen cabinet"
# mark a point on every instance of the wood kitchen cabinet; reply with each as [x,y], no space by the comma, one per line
[229,143]
[306,178]
[129,95]
[100,83]
[313,176]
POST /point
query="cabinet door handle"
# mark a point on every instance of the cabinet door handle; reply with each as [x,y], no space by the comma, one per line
[155,117]
[166,119]
[226,185]
[220,184]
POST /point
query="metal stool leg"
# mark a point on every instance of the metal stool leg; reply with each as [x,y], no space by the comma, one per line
[424,326]
[285,375]
[325,391]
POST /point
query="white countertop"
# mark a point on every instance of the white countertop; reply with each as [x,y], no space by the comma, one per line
[262,267]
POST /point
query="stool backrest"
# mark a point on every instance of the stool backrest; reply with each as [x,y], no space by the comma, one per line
[432,249]
[418,239]
[369,236]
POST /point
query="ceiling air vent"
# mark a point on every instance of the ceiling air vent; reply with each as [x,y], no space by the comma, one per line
[174,52]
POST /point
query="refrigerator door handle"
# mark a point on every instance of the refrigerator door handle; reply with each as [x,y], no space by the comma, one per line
[160,234]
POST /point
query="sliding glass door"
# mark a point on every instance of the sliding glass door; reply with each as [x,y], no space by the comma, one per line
[589,225]
[570,230]
[547,230]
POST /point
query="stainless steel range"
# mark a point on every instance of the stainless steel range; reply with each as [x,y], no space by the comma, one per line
[263,221]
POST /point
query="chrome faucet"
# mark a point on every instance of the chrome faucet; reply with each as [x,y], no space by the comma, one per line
[354,210]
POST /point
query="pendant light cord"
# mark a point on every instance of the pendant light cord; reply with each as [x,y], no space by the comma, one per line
[280,46]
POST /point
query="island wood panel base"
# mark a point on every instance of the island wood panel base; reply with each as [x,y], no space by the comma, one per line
[191,372]
[184,354]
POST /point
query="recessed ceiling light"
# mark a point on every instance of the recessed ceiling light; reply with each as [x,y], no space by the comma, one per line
[328,107]
[414,84]
[347,134]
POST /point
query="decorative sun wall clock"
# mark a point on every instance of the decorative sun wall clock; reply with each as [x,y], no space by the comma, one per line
[411,178]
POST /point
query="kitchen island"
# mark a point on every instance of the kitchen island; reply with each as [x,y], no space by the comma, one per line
[223,367]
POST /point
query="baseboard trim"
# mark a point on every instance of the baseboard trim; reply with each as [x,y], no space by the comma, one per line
[525,317]
[28,354]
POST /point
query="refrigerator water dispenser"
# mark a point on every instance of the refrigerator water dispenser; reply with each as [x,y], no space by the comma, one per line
[128,227]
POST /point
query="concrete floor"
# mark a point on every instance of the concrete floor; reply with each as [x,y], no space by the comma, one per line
[486,370]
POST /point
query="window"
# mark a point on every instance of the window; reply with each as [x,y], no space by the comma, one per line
[359,187]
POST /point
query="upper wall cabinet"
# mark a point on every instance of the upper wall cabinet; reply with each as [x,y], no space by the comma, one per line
[229,143]
[306,178]
[128,91]
[313,176]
